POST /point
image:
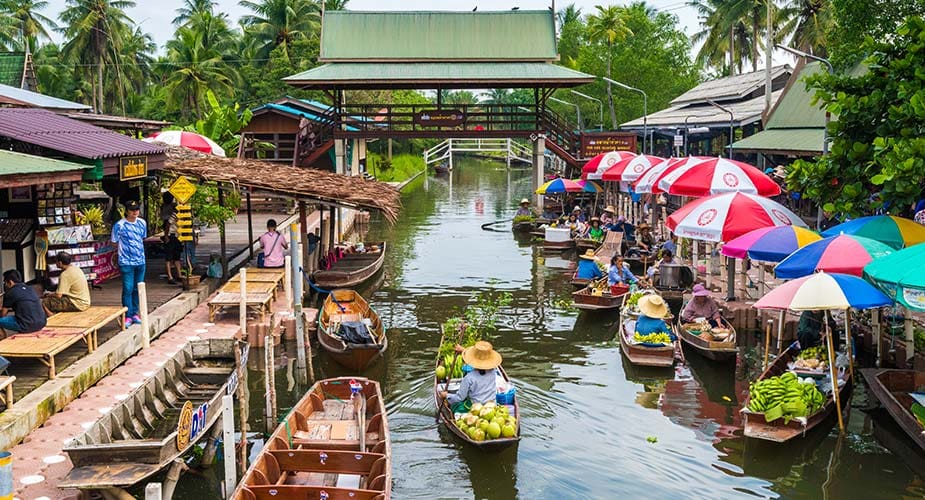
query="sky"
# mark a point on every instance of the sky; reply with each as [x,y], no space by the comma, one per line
[155,16]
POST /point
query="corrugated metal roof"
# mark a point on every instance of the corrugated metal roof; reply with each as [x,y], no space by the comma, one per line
[49,130]
[744,113]
[22,97]
[783,141]
[522,35]
[282,108]
[730,87]
[796,109]
[12,65]
[13,163]
[357,75]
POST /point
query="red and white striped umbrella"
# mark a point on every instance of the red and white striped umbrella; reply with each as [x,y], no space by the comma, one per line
[711,176]
[647,182]
[190,140]
[726,216]
[629,169]
[597,165]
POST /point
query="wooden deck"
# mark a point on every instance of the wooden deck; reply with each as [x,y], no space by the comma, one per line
[252,287]
[92,320]
[259,301]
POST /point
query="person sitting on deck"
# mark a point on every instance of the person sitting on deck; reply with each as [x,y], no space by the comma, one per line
[587,267]
[702,306]
[73,293]
[645,240]
[667,258]
[479,385]
[652,320]
[29,316]
[607,216]
[524,210]
[594,231]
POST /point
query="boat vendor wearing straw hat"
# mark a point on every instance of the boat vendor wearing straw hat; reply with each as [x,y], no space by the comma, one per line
[524,209]
[595,232]
[652,320]
[587,267]
[479,385]
[607,215]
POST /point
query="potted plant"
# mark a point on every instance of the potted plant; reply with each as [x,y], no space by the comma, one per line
[189,279]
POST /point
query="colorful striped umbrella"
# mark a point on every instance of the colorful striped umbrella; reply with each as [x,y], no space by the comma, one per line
[190,140]
[835,254]
[589,186]
[716,175]
[597,165]
[900,275]
[727,216]
[560,186]
[770,244]
[647,182]
[629,169]
[896,232]
[821,290]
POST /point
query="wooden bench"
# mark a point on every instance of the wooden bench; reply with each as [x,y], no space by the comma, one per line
[6,382]
[258,301]
[94,318]
[261,274]
[45,344]
[252,287]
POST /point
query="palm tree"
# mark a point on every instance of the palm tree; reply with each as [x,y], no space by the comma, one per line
[195,68]
[335,4]
[568,15]
[607,25]
[8,31]
[806,22]
[32,25]
[720,37]
[94,30]
[192,7]
[751,12]
[461,98]
[280,22]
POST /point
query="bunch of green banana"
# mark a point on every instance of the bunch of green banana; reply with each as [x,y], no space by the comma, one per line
[652,338]
[784,396]
[453,371]
[817,352]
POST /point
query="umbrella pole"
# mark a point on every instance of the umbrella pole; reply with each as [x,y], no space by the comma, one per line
[780,331]
[849,347]
[730,279]
[877,330]
[833,371]
[910,335]
[761,286]
[710,265]
[767,344]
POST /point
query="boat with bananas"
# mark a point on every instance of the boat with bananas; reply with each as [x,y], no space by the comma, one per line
[505,408]
[792,397]
[645,350]
[718,344]
[598,296]
[899,393]
[333,444]
[350,331]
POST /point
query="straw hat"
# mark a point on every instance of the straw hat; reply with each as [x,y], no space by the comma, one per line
[610,209]
[589,255]
[524,201]
[653,306]
[595,219]
[576,209]
[642,226]
[482,356]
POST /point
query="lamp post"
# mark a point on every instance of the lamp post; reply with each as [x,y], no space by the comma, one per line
[577,109]
[645,110]
[600,122]
[731,120]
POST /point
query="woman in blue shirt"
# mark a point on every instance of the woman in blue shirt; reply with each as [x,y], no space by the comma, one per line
[652,320]
[587,267]
[619,272]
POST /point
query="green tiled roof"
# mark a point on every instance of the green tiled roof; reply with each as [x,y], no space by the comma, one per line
[438,36]
[13,163]
[358,75]
[11,68]
[784,141]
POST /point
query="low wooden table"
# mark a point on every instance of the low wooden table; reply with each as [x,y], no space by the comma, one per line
[94,318]
[6,383]
[252,287]
[261,274]
[45,344]
[259,301]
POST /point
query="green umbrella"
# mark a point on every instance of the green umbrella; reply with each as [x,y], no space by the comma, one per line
[901,275]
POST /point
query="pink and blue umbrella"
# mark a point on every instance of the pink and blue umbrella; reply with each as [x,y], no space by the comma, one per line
[836,254]
[770,244]
[823,291]
[560,186]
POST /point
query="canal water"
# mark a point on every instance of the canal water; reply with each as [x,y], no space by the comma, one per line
[593,426]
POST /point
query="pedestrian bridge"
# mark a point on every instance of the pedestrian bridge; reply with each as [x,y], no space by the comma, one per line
[509,149]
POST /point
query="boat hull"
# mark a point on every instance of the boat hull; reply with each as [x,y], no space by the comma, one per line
[354,270]
[645,356]
[584,299]
[716,351]
[891,388]
[356,357]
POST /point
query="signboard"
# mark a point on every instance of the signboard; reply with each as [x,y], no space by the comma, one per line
[605,142]
[191,423]
[678,141]
[133,167]
[184,222]
[182,189]
[439,118]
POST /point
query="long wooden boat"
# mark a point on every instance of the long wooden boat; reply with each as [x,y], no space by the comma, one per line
[333,444]
[352,269]
[717,350]
[643,355]
[158,422]
[586,244]
[349,307]
[757,427]
[446,414]
[585,299]
[892,388]
[522,226]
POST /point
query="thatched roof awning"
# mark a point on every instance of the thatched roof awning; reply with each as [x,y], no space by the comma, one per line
[304,184]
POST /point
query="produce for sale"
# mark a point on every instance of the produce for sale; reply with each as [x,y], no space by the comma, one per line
[785,396]
[652,338]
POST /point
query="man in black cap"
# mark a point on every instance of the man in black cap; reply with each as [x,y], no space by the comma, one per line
[128,235]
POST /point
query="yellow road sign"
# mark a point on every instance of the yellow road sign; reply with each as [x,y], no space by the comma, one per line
[182,189]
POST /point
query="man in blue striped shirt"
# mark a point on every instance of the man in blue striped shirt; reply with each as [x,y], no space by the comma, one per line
[129,237]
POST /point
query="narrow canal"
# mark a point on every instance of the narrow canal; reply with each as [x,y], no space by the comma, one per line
[593,426]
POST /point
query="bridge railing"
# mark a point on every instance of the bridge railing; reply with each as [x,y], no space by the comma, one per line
[423,120]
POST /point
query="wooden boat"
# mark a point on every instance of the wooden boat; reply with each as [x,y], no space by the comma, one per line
[892,388]
[320,447]
[756,426]
[446,414]
[585,299]
[352,269]
[348,306]
[586,244]
[522,226]
[642,355]
[158,422]
[717,350]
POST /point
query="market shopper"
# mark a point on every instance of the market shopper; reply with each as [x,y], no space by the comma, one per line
[274,247]
[128,236]
[479,385]
[24,302]
[73,293]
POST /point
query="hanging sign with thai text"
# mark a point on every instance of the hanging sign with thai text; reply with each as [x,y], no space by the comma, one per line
[133,167]
[439,118]
[605,142]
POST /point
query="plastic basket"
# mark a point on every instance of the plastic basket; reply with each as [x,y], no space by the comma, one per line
[506,398]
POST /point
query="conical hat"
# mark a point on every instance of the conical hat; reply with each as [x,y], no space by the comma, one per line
[482,356]
[653,306]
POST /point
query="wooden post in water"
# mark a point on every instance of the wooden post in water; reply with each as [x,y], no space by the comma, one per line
[231,473]
[743,277]
[242,305]
[877,330]
[268,383]
[762,288]
[143,312]
[299,337]
[910,334]
[240,348]
[295,269]
[849,348]
[710,265]
[780,331]
[287,279]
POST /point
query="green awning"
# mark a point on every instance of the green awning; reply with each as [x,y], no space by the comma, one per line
[787,141]
[351,75]
[18,169]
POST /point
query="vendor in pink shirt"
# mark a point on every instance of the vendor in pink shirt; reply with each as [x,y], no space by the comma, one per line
[274,246]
